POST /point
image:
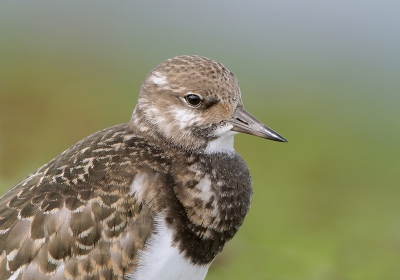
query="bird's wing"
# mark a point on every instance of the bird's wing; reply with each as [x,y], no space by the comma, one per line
[76,218]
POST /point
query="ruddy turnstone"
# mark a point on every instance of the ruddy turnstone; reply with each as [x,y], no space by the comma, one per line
[156,198]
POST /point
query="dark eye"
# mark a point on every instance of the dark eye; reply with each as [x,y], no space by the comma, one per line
[193,99]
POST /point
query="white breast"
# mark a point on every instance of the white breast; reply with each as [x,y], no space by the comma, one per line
[162,260]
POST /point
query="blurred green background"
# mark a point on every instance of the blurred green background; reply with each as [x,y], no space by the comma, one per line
[324,74]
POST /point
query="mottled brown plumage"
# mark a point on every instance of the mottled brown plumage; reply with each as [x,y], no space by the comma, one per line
[77,210]
[90,212]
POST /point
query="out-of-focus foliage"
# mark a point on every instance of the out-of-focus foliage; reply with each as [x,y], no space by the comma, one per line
[324,75]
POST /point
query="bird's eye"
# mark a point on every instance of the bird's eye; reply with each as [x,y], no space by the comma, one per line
[193,99]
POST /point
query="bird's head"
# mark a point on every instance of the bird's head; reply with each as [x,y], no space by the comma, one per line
[194,103]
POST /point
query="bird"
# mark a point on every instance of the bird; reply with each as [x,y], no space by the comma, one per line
[155,198]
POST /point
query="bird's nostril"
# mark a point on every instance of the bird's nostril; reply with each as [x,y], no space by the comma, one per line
[242,121]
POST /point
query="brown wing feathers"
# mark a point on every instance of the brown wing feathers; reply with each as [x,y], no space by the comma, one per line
[75,218]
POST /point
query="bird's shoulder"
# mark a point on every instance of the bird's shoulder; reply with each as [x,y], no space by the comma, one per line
[77,215]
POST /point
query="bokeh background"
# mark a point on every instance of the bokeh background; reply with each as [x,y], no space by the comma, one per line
[325,74]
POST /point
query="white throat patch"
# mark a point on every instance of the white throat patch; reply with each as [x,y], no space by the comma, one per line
[224,143]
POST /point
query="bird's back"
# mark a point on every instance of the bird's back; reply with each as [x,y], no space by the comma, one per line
[75,216]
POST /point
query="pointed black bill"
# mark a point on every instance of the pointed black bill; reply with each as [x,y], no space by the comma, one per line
[244,122]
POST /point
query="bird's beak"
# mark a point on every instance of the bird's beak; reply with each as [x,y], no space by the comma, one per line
[244,122]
